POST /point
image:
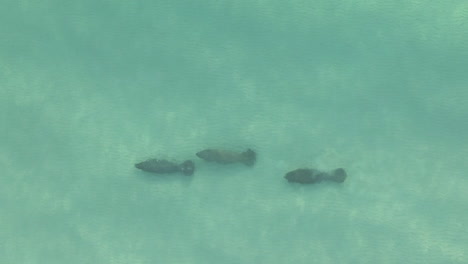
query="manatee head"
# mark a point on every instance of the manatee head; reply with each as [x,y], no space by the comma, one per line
[208,154]
[139,165]
[205,153]
[304,176]
[146,165]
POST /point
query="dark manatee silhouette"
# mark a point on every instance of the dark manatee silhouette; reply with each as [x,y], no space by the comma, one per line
[164,166]
[247,157]
[310,176]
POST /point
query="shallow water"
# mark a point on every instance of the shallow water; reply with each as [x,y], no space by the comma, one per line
[88,89]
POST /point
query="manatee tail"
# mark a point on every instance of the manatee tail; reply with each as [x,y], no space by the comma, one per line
[187,167]
[249,157]
[338,175]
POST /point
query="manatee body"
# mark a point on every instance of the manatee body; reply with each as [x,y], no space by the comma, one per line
[164,166]
[247,157]
[310,176]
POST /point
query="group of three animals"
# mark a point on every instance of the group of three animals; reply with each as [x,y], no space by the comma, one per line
[248,157]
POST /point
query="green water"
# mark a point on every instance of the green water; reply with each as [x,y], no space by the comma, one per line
[89,88]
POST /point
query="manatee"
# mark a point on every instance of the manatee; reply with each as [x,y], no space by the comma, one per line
[247,157]
[310,176]
[164,166]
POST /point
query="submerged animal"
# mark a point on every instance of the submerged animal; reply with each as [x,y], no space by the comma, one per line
[247,157]
[164,166]
[309,176]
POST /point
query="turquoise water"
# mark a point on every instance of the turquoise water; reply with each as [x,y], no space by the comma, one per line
[88,88]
